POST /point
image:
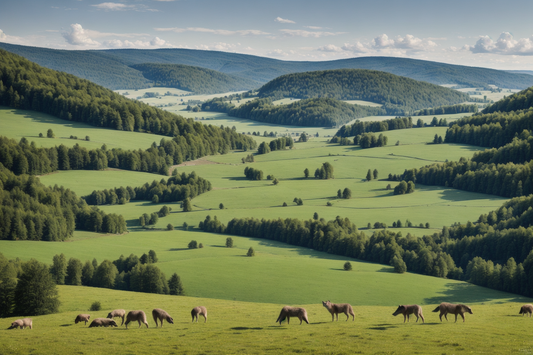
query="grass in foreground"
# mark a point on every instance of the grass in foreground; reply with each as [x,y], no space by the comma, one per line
[250,328]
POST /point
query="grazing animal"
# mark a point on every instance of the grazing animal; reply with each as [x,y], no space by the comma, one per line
[138,316]
[117,313]
[288,312]
[408,310]
[335,309]
[197,311]
[527,308]
[82,318]
[22,323]
[103,322]
[161,315]
[456,309]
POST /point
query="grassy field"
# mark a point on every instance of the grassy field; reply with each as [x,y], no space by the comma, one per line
[250,328]
[244,295]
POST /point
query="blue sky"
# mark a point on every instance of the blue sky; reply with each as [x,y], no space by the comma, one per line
[493,34]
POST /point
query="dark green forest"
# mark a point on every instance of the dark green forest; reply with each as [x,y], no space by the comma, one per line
[31,211]
[194,79]
[447,110]
[360,127]
[317,112]
[112,68]
[516,102]
[398,95]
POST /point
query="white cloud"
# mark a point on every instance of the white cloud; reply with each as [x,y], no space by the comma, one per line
[113,6]
[506,44]
[312,34]
[408,43]
[154,43]
[78,36]
[213,31]
[313,27]
[282,20]
[3,36]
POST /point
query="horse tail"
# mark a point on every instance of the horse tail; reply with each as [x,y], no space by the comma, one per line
[436,309]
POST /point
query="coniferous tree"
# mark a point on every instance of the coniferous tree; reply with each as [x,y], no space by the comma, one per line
[36,291]
[175,286]
[74,272]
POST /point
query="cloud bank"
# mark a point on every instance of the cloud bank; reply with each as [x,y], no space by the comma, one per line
[505,44]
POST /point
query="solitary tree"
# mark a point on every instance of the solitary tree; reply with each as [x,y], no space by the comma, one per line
[315,216]
[36,291]
[174,285]
[250,252]
[303,137]
[193,244]
[229,242]
[375,174]
[221,206]
[50,133]
[170,227]
[276,181]
[347,266]
[306,173]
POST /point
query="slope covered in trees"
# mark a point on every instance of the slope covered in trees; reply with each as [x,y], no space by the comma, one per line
[315,112]
[520,101]
[195,79]
[398,95]
[26,85]
[111,68]
[31,211]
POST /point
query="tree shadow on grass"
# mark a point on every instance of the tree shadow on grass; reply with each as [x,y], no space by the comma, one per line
[178,249]
[457,292]
[246,328]
[383,327]
[66,325]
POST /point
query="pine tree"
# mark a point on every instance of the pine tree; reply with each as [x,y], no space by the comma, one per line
[175,286]
[36,291]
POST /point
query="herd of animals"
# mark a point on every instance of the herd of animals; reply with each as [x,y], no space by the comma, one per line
[286,313]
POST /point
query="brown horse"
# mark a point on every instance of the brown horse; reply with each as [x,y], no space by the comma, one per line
[456,309]
[288,312]
[408,310]
[335,309]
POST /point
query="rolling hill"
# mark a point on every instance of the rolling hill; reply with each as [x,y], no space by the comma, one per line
[112,68]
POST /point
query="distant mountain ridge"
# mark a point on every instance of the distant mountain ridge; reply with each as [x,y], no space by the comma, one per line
[112,68]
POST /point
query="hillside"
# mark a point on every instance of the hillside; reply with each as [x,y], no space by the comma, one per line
[398,95]
[26,85]
[194,79]
[111,68]
[520,101]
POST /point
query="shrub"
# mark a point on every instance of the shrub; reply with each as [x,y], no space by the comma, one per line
[251,252]
[96,306]
[193,244]
[348,266]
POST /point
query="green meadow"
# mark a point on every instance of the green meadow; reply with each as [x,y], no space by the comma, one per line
[249,327]
[244,295]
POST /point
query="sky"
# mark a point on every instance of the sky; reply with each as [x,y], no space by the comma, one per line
[490,34]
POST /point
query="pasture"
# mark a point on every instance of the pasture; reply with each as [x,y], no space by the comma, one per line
[245,327]
[244,295]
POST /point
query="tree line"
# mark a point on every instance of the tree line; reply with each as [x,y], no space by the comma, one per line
[178,187]
[522,100]
[313,112]
[29,288]
[276,144]
[26,85]
[341,237]
[360,127]
[451,109]
[31,211]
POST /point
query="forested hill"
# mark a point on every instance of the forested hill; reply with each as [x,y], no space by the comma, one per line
[520,101]
[112,68]
[398,95]
[26,85]
[195,79]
